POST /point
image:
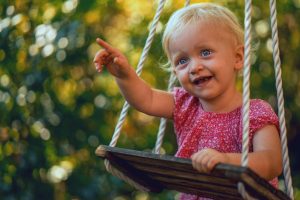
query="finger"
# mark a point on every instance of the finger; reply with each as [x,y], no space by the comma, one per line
[198,154]
[194,162]
[100,56]
[120,61]
[211,164]
[99,67]
[198,161]
[204,163]
[194,159]
[105,45]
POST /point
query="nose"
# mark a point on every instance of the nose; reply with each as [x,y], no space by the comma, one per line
[195,67]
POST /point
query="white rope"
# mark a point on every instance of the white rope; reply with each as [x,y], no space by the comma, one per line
[187,2]
[246,83]
[126,106]
[122,176]
[246,99]
[163,121]
[243,192]
[140,66]
[280,101]
[246,93]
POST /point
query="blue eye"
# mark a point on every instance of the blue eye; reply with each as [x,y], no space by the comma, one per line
[182,61]
[205,52]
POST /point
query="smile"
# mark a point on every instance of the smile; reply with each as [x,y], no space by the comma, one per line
[201,80]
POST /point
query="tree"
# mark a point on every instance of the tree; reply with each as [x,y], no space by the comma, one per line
[55,108]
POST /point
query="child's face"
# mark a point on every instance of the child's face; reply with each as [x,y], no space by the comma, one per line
[205,59]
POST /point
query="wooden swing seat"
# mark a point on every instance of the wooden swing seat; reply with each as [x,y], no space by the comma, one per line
[158,172]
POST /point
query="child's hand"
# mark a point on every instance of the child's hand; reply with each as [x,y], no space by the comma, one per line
[112,59]
[206,159]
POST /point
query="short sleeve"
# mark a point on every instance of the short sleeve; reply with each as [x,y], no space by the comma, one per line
[185,106]
[261,115]
[180,97]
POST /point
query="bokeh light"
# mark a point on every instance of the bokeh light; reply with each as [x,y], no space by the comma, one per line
[56,109]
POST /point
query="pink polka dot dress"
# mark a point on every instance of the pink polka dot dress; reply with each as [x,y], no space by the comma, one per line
[197,129]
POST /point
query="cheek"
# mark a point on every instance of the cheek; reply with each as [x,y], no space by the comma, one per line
[180,74]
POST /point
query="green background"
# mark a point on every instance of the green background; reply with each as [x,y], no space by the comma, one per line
[55,109]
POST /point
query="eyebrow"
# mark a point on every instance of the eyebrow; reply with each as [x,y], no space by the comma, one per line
[203,45]
[196,47]
[177,56]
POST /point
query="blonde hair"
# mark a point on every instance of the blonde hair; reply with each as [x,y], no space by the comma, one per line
[201,11]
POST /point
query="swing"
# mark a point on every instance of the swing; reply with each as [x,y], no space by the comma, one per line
[154,172]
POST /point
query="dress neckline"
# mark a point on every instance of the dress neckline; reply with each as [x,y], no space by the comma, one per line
[211,113]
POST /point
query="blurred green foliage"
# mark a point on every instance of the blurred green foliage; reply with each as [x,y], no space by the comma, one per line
[55,109]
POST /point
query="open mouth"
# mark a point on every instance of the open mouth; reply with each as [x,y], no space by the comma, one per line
[202,80]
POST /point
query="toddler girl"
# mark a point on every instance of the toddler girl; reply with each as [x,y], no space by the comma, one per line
[204,45]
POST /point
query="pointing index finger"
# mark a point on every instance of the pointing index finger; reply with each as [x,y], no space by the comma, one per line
[105,45]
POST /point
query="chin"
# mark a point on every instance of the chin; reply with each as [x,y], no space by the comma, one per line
[205,97]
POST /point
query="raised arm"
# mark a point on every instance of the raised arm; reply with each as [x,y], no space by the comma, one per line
[136,91]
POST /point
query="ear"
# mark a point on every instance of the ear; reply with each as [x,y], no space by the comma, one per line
[239,57]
